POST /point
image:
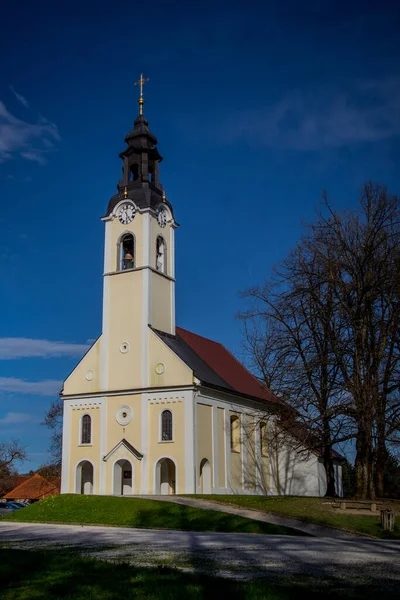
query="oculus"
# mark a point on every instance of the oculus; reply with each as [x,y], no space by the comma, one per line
[124,347]
[124,415]
[160,368]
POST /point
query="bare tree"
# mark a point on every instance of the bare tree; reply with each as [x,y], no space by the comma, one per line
[53,420]
[295,357]
[11,453]
[333,350]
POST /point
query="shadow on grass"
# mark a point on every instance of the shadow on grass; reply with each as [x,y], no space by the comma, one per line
[137,512]
[184,518]
[39,575]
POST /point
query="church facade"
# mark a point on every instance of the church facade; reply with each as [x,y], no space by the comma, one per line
[155,409]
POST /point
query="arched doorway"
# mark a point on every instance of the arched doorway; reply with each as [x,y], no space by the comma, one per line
[165,477]
[123,478]
[205,476]
[84,478]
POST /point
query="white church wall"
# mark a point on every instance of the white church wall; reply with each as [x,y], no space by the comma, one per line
[298,473]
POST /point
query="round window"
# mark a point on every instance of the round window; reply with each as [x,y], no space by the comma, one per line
[124,415]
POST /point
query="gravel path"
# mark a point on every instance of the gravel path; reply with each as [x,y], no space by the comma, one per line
[225,554]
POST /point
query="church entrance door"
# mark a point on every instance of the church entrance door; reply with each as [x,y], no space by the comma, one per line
[84,478]
[205,476]
[165,477]
[122,478]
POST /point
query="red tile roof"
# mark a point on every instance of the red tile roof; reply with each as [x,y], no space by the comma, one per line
[35,488]
[218,358]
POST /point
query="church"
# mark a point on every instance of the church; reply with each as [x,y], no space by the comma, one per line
[153,408]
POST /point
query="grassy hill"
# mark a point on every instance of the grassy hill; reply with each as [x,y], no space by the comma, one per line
[314,510]
[138,512]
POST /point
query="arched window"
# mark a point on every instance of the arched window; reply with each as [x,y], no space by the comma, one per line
[166,426]
[235,433]
[263,439]
[86,429]
[126,252]
[161,255]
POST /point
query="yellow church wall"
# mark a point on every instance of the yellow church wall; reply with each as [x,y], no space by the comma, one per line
[125,298]
[116,230]
[158,449]
[250,425]
[265,478]
[161,302]
[236,464]
[79,382]
[176,371]
[221,446]
[204,436]
[78,451]
[116,432]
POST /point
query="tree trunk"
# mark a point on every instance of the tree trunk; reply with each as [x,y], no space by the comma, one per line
[380,462]
[330,473]
[365,489]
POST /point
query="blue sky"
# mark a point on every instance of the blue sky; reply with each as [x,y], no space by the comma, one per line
[257,106]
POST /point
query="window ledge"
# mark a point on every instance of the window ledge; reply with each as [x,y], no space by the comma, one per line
[235,451]
[166,441]
[86,445]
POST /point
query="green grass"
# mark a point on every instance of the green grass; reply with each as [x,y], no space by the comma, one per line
[39,575]
[312,510]
[137,512]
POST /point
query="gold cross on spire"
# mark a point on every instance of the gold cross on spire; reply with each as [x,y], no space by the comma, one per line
[141,99]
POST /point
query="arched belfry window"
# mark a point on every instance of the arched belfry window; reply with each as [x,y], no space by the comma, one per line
[134,172]
[166,426]
[86,429]
[126,258]
[161,255]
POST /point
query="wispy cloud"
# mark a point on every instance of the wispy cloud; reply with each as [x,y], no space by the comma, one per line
[47,387]
[20,97]
[12,418]
[35,156]
[32,141]
[11,348]
[368,111]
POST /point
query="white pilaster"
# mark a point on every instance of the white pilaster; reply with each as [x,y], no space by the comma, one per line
[171,269]
[103,437]
[146,296]
[258,458]
[243,439]
[215,446]
[189,443]
[272,458]
[144,489]
[66,442]
[106,309]
[228,448]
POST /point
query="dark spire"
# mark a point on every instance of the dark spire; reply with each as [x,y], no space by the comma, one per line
[140,169]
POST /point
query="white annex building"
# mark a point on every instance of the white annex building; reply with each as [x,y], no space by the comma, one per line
[155,409]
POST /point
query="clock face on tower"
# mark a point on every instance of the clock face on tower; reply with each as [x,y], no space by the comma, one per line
[161,217]
[126,213]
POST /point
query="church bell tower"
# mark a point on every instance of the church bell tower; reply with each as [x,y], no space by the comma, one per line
[139,270]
